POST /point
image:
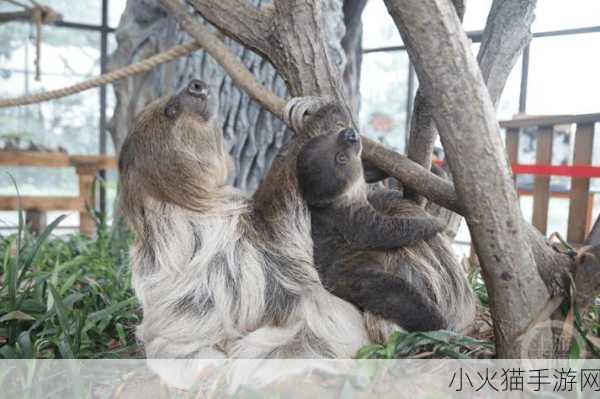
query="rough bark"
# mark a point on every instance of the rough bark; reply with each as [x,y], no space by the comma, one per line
[352,45]
[452,81]
[423,132]
[507,32]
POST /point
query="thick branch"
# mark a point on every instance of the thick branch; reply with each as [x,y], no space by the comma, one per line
[507,32]
[412,175]
[235,68]
[423,131]
[587,277]
[462,109]
[351,43]
[238,20]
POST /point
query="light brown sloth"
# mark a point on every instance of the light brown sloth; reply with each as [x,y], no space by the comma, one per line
[222,275]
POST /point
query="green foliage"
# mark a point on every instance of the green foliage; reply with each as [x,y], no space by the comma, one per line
[432,344]
[65,297]
[478,286]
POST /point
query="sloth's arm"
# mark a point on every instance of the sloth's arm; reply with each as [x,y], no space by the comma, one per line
[365,228]
[372,173]
[387,295]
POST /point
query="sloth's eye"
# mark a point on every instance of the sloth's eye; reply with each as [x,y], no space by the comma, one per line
[341,158]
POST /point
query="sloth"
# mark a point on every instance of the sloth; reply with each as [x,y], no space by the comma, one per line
[350,236]
[219,275]
[429,266]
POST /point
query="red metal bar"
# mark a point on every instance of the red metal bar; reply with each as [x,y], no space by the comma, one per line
[576,171]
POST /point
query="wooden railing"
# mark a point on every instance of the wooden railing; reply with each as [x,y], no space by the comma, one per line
[581,170]
[86,167]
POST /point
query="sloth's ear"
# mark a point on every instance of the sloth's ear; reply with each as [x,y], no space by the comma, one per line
[172,109]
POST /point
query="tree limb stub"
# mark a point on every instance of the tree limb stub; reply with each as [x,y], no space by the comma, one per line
[464,112]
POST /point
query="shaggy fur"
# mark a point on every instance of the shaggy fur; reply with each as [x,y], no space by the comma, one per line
[351,237]
[223,276]
[215,278]
[428,266]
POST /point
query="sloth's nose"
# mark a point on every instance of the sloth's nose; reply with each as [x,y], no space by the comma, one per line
[198,88]
[350,135]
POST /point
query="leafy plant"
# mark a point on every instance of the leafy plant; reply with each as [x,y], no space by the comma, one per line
[427,344]
[65,297]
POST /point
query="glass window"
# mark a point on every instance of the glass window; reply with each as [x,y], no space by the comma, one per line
[70,122]
[563,75]
[379,29]
[384,91]
[80,11]
[509,101]
[555,14]
[476,13]
[115,10]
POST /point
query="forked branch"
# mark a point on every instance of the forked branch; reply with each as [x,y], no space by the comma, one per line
[238,20]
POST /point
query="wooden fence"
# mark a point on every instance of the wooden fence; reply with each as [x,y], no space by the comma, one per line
[580,171]
[35,207]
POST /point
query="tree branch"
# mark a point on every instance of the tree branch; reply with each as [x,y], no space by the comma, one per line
[423,131]
[462,109]
[240,21]
[507,32]
[351,43]
[587,277]
[412,175]
[235,68]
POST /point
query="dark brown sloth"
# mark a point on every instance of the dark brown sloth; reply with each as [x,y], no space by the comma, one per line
[349,234]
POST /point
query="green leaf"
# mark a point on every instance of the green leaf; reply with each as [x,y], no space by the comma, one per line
[26,345]
[111,310]
[62,312]
[29,257]
[70,281]
[575,350]
[9,352]
[367,351]
[16,315]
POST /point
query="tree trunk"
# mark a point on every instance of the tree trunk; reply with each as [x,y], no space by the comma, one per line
[462,109]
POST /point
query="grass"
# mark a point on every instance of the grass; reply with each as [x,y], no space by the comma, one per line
[66,297]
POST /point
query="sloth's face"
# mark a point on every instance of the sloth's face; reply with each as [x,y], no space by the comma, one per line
[175,152]
[195,100]
[329,165]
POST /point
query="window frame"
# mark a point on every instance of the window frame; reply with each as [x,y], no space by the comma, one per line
[475,37]
[105,30]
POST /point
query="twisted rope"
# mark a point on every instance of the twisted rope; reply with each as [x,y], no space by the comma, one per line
[118,74]
[297,109]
